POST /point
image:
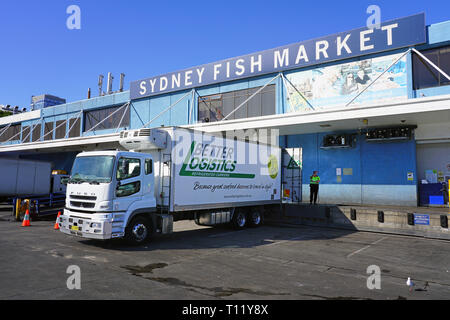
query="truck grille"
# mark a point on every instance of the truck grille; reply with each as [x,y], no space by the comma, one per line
[80,204]
[90,198]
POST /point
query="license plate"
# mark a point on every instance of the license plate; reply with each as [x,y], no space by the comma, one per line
[74,228]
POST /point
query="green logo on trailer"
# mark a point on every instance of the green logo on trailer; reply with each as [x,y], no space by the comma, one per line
[210,166]
[272,165]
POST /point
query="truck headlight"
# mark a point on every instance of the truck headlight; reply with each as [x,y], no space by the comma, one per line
[96,225]
[105,205]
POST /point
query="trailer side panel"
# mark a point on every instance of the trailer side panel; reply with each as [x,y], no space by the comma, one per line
[213,172]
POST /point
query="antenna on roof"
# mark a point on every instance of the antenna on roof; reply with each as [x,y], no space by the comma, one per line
[122,76]
[100,85]
[109,84]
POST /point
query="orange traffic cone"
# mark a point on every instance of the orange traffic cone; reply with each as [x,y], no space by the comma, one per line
[26,219]
[56,227]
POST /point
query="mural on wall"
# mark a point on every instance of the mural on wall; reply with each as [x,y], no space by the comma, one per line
[334,86]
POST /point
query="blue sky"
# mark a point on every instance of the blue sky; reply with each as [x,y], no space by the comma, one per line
[39,54]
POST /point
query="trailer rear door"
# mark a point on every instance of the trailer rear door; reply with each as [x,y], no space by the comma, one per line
[292,175]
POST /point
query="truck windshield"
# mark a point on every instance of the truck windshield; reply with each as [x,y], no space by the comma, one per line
[95,169]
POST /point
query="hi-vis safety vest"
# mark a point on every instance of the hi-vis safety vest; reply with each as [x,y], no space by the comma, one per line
[314,180]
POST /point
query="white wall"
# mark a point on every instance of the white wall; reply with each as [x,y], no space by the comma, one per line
[434,131]
[395,195]
[433,156]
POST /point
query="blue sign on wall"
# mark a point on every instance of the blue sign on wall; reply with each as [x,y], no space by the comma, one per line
[391,35]
[423,219]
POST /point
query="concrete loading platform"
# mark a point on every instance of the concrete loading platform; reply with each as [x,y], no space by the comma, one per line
[429,222]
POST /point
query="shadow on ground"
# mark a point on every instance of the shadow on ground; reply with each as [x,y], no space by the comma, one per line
[221,236]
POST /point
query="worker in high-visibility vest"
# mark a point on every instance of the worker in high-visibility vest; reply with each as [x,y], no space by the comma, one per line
[314,181]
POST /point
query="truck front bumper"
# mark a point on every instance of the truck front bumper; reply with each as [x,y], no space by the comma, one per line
[84,226]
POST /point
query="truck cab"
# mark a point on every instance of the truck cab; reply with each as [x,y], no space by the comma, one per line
[106,191]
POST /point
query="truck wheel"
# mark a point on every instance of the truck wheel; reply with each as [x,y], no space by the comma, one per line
[138,231]
[255,218]
[239,219]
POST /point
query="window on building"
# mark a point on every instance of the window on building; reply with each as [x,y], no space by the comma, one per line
[215,107]
[60,131]
[426,76]
[92,118]
[74,127]
[11,132]
[36,134]
[48,126]
[26,136]
[444,64]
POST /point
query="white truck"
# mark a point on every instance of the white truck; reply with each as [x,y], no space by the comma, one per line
[169,174]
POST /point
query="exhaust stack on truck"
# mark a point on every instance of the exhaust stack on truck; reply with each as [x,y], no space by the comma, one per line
[170,174]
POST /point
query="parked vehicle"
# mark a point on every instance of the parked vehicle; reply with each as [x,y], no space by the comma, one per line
[33,181]
[170,174]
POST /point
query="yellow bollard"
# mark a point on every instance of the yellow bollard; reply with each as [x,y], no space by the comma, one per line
[17,209]
[21,208]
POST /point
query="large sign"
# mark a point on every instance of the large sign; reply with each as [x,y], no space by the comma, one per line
[391,35]
[334,86]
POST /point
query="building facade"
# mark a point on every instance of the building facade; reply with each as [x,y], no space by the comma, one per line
[368,108]
[44,101]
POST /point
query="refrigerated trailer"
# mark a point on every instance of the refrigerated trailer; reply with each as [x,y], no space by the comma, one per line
[24,177]
[29,178]
[166,175]
[33,181]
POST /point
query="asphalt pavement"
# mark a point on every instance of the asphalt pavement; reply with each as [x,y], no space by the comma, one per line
[274,261]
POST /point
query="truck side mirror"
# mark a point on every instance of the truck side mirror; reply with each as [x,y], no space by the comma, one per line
[64,181]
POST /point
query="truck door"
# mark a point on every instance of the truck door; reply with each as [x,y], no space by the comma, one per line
[148,179]
[129,184]
[292,174]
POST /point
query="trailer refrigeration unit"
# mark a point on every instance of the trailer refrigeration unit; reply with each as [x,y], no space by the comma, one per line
[170,174]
